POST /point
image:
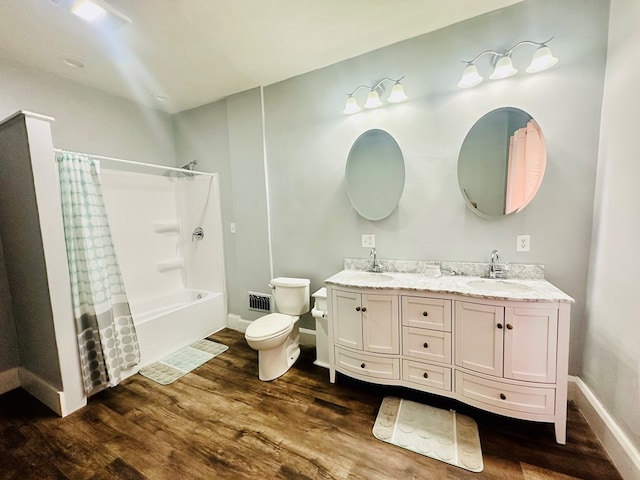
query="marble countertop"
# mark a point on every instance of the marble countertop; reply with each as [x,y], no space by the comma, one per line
[527,290]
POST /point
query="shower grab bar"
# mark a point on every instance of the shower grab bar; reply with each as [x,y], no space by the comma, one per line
[132,162]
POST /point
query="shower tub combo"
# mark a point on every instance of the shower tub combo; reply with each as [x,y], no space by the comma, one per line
[174,276]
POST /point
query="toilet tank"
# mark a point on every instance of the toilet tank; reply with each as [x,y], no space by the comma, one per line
[291,295]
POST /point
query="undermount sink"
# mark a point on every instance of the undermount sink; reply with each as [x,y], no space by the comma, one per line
[498,286]
[371,277]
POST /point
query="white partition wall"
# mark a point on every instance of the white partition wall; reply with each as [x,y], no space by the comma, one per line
[36,262]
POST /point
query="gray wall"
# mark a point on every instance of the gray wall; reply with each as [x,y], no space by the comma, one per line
[25,262]
[612,329]
[88,120]
[9,357]
[226,137]
[308,139]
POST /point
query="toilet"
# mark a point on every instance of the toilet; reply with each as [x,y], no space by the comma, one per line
[276,336]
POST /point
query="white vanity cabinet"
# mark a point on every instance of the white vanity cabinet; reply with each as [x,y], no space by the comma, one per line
[505,355]
[365,327]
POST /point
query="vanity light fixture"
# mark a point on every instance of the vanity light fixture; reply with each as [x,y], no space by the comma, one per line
[503,66]
[397,95]
[96,12]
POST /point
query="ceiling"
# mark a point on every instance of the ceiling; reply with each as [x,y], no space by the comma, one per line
[193,52]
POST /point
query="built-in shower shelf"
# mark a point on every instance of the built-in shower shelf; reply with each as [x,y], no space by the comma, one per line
[166,226]
[171,264]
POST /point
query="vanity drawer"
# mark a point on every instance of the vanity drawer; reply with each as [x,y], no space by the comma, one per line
[368,365]
[425,344]
[426,375]
[422,312]
[540,401]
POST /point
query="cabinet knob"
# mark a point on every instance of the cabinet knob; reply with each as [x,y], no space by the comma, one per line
[503,396]
[425,345]
[357,309]
[362,365]
[509,326]
[499,326]
[425,375]
[364,309]
[425,314]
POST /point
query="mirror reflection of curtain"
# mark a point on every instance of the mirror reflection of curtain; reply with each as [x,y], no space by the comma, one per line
[526,166]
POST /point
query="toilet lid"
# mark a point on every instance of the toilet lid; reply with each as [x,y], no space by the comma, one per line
[269,326]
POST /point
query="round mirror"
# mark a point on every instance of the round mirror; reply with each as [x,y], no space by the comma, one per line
[502,162]
[375,174]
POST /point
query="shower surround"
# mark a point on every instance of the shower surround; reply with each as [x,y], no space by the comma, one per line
[175,280]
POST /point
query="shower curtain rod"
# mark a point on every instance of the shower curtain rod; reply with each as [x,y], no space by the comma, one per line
[132,162]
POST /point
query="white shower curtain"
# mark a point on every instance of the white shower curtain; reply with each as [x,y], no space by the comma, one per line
[107,338]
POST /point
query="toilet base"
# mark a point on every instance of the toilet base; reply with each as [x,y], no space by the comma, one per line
[275,362]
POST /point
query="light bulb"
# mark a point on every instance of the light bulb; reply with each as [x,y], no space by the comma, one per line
[89,11]
[373,100]
[397,94]
[351,106]
[470,77]
[504,68]
[542,59]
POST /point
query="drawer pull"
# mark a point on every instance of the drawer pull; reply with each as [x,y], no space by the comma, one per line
[425,375]
[499,326]
[357,309]
[362,365]
[425,314]
[503,396]
[425,345]
[509,326]
[364,309]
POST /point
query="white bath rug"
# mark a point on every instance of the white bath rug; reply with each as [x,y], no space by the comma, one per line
[179,363]
[440,434]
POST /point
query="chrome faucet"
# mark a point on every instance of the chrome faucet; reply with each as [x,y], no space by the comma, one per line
[375,266]
[496,269]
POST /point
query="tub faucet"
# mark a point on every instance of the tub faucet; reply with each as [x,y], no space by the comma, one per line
[496,269]
[375,266]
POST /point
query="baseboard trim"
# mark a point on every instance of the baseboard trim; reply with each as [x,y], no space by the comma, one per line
[42,390]
[624,455]
[9,380]
[322,364]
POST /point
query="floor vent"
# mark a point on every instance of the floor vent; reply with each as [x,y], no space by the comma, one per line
[260,302]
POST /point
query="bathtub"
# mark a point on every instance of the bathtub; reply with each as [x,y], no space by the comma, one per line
[168,323]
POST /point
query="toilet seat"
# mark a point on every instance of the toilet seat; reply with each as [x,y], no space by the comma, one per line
[269,326]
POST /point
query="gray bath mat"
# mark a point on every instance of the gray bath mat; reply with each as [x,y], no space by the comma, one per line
[179,363]
[433,432]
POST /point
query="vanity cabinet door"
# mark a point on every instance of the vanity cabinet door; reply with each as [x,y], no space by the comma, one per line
[530,344]
[380,323]
[479,337]
[347,319]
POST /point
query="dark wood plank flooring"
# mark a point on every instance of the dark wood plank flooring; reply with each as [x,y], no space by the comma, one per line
[221,422]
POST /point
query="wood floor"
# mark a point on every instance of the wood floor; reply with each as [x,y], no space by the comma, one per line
[221,422]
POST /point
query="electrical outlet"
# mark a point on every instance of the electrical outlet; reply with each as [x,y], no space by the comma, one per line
[523,243]
[232,228]
[368,240]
